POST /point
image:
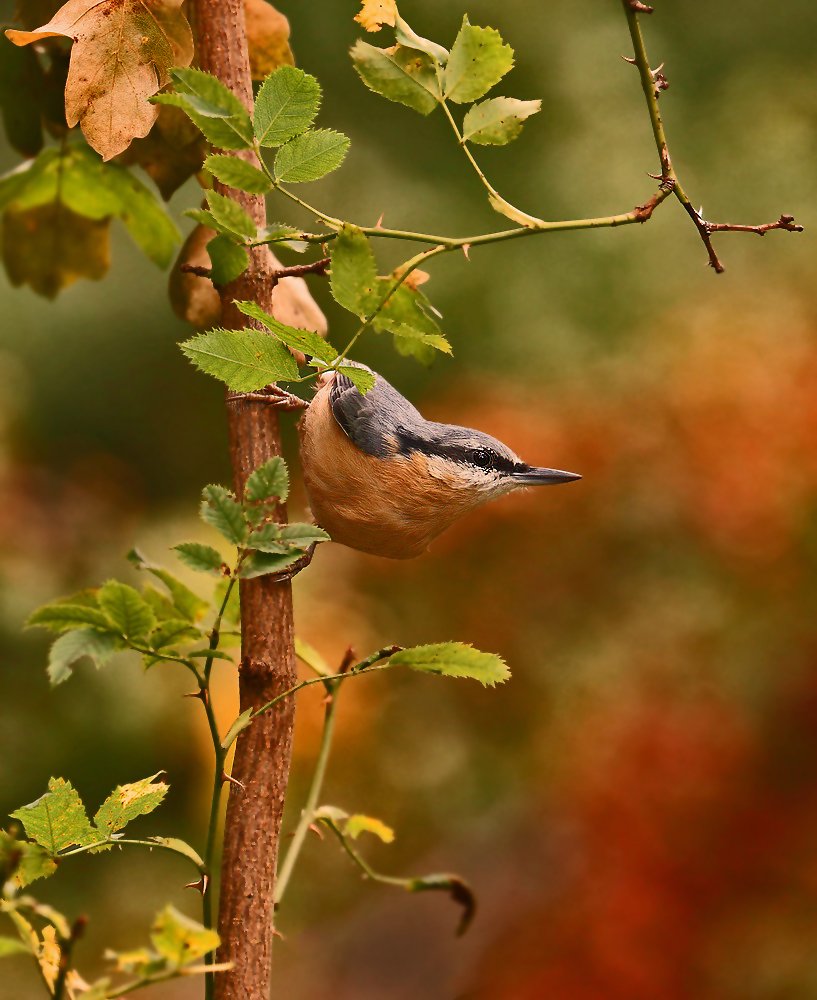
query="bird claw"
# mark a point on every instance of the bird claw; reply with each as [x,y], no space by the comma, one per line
[272,395]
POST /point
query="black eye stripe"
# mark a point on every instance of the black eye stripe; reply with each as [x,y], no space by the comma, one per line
[476,458]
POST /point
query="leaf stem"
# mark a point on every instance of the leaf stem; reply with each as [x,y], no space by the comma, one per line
[360,862]
[308,812]
[138,843]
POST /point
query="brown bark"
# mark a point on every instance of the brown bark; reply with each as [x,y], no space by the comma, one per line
[262,754]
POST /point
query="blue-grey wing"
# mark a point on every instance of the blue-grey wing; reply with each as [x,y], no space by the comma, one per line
[376,422]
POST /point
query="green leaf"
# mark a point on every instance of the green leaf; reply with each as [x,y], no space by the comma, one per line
[222,511]
[454,659]
[11,946]
[497,121]
[180,847]
[405,35]
[64,653]
[232,612]
[127,609]
[24,861]
[268,539]
[126,802]
[286,105]
[57,819]
[246,359]
[175,631]
[186,603]
[303,535]
[310,156]
[227,260]
[231,216]
[498,204]
[162,606]
[403,332]
[201,558]
[306,341]
[223,119]
[238,173]
[401,74]
[242,722]
[181,940]
[281,234]
[60,617]
[263,563]
[406,315]
[358,824]
[479,59]
[268,481]
[362,379]
[312,658]
[353,277]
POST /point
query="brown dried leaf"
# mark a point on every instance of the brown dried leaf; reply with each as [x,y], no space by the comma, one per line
[267,38]
[192,298]
[50,247]
[171,153]
[122,52]
[375,13]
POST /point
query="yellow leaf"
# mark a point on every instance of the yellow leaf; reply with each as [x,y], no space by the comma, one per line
[49,957]
[122,52]
[50,246]
[375,13]
[267,38]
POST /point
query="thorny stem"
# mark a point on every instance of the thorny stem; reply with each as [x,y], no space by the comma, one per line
[218,780]
[308,812]
[668,176]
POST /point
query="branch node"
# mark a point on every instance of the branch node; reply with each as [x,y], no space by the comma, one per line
[316,267]
[235,781]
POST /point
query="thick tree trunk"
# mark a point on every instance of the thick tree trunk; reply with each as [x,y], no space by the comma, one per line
[262,754]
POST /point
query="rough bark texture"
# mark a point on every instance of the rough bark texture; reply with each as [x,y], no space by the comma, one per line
[262,754]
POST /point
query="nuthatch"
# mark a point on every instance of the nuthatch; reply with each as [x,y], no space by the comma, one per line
[382,479]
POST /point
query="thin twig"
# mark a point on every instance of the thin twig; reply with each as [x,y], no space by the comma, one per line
[197,269]
[316,267]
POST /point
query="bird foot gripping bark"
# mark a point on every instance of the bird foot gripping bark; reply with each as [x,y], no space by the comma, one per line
[272,395]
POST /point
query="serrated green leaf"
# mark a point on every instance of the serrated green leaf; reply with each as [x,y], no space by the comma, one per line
[263,563]
[57,819]
[127,609]
[162,606]
[281,234]
[245,360]
[126,802]
[268,481]
[232,611]
[310,156]
[23,861]
[201,558]
[401,74]
[306,341]
[242,722]
[303,535]
[227,260]
[173,632]
[454,659]
[405,332]
[353,275]
[267,538]
[64,653]
[406,315]
[187,604]
[498,121]
[222,511]
[231,216]
[235,127]
[181,940]
[479,59]
[60,617]
[218,130]
[286,105]
[357,824]
[11,946]
[406,36]
[238,173]
[362,379]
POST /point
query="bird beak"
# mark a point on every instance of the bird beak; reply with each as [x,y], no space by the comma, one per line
[542,477]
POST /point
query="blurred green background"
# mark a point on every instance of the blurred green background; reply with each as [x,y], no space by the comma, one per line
[637,808]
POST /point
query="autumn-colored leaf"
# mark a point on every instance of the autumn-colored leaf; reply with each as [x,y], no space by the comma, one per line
[375,13]
[49,247]
[122,52]
[267,38]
